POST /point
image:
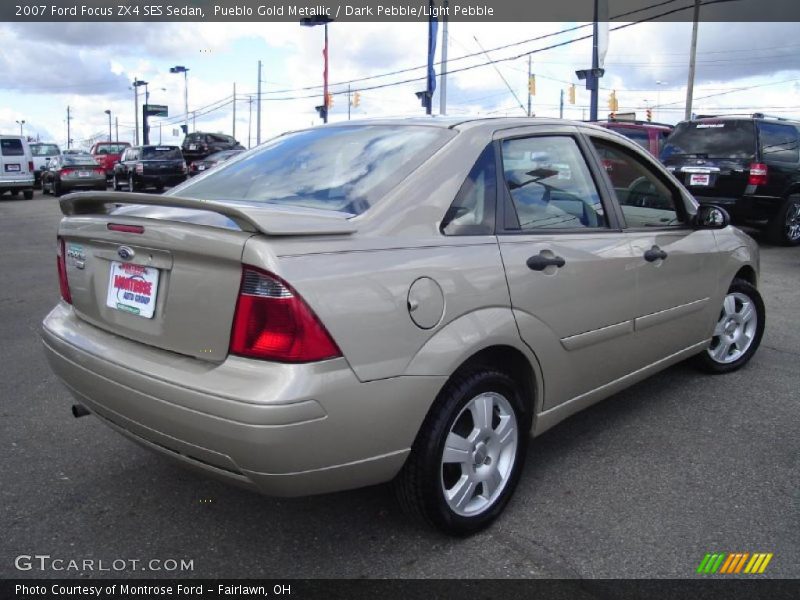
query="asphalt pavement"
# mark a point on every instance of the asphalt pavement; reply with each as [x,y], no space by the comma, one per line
[640,485]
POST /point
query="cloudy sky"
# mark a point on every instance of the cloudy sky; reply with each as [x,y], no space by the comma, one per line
[89,66]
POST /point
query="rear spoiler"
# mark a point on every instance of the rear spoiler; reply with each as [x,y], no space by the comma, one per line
[265,218]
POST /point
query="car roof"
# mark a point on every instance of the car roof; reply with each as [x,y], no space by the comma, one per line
[464,122]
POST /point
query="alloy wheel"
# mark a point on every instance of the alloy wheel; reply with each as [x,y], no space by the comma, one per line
[793,222]
[479,454]
[735,330]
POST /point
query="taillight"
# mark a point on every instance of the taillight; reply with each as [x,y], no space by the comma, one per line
[273,322]
[758,174]
[30,166]
[100,171]
[67,172]
[63,283]
[139,168]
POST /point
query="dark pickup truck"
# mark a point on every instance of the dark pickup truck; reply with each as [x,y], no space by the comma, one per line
[157,167]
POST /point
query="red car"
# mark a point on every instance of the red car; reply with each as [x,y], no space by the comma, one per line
[108,153]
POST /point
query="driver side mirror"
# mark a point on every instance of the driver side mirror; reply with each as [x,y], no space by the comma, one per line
[710,216]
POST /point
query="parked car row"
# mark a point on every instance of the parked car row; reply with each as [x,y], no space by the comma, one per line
[748,164]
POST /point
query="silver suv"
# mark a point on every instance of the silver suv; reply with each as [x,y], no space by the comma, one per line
[405,300]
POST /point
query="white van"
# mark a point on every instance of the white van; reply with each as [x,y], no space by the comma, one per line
[16,166]
[42,153]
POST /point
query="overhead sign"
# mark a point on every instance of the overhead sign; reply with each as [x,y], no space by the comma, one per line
[156,110]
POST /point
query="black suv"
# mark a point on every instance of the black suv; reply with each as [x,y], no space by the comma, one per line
[749,165]
[199,145]
[149,166]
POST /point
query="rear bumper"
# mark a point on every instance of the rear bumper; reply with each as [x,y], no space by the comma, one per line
[279,429]
[85,183]
[159,180]
[22,183]
[746,208]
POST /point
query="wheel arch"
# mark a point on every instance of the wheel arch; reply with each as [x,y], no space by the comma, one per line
[748,273]
[485,337]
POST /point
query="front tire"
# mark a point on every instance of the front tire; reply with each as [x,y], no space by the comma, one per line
[57,191]
[468,455]
[784,229]
[738,331]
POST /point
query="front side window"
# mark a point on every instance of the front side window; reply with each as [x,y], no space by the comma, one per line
[345,169]
[550,185]
[645,199]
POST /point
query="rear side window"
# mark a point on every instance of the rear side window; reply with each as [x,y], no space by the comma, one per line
[44,149]
[346,168]
[472,212]
[734,139]
[778,142]
[11,147]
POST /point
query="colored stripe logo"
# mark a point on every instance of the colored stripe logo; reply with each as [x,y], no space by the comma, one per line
[732,563]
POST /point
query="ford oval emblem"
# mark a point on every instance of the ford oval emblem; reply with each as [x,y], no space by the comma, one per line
[125,253]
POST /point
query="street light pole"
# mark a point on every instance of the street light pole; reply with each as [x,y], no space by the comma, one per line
[108,112]
[692,62]
[21,123]
[311,22]
[658,99]
[185,71]
[137,83]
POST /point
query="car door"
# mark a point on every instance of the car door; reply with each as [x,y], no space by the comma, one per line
[676,265]
[566,261]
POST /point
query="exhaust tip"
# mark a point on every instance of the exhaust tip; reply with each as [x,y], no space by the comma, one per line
[79,410]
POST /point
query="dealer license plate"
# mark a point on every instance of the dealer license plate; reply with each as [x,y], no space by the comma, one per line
[699,179]
[132,289]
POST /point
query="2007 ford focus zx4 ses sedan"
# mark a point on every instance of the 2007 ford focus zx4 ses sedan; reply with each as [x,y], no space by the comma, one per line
[407,300]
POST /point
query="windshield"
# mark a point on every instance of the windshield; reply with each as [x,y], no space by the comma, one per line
[712,139]
[345,168]
[44,149]
[161,153]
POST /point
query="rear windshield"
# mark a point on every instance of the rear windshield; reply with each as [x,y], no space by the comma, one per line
[161,152]
[44,149]
[78,159]
[110,148]
[11,147]
[712,139]
[345,169]
[639,136]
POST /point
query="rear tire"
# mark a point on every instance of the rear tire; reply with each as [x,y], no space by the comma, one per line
[57,191]
[784,228]
[115,184]
[45,192]
[468,455]
[738,331]
[131,184]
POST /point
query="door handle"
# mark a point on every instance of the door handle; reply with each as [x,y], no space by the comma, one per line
[540,262]
[655,253]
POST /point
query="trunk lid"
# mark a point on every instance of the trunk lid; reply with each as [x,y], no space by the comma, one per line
[162,167]
[155,272]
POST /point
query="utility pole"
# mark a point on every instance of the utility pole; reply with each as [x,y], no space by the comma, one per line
[116,125]
[234,110]
[348,101]
[529,85]
[249,119]
[136,110]
[595,66]
[692,62]
[561,106]
[443,77]
[258,108]
[69,136]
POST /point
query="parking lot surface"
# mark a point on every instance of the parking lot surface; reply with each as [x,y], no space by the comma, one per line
[641,485]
